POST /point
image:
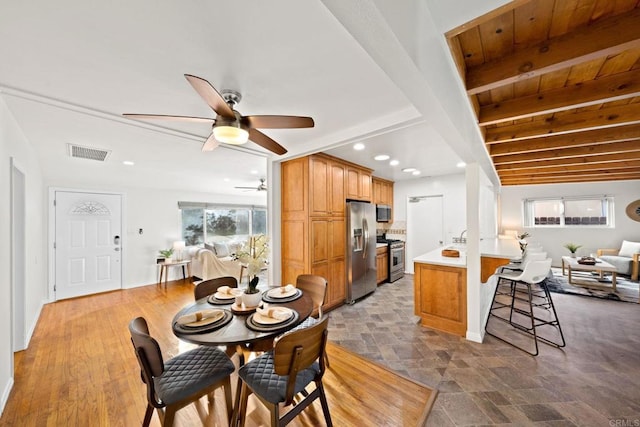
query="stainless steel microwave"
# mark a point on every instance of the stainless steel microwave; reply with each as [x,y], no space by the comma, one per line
[383,213]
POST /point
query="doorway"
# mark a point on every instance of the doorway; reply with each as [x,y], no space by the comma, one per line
[18,261]
[425,231]
[87,243]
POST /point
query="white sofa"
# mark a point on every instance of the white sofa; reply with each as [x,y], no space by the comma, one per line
[626,259]
[206,265]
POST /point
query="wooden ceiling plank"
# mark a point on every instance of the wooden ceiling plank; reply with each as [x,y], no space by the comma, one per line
[562,180]
[631,166]
[606,89]
[589,150]
[471,48]
[586,71]
[619,115]
[570,14]
[571,140]
[623,61]
[497,37]
[603,159]
[485,18]
[532,22]
[605,37]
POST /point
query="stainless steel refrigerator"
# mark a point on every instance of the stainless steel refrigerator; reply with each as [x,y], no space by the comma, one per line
[361,250]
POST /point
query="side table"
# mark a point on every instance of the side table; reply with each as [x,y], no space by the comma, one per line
[164,270]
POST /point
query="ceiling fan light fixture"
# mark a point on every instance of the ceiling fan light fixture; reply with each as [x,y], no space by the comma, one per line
[230,134]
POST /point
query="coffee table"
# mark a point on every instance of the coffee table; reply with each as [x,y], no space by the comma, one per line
[600,266]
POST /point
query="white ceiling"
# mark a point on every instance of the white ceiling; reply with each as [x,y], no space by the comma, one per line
[72,67]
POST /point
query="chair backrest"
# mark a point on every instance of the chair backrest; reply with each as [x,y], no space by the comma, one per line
[533,256]
[535,271]
[297,350]
[316,287]
[149,356]
[209,287]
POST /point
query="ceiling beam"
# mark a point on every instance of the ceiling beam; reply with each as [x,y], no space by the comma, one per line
[589,150]
[618,115]
[602,38]
[631,166]
[604,159]
[577,139]
[561,180]
[605,89]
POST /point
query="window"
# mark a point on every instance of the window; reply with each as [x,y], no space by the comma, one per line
[595,211]
[204,222]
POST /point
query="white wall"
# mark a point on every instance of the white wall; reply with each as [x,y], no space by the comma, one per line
[553,239]
[14,144]
[451,187]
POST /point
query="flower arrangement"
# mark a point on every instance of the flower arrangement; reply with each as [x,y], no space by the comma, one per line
[253,254]
[521,240]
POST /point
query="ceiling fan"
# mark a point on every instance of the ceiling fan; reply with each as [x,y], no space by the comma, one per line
[261,187]
[229,126]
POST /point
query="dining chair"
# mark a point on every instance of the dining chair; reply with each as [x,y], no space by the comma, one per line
[275,377]
[209,287]
[181,380]
[316,287]
[534,273]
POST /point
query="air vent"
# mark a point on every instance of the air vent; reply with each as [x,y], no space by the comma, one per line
[88,153]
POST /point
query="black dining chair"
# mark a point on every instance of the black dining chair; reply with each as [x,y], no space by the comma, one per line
[181,380]
[209,287]
[275,377]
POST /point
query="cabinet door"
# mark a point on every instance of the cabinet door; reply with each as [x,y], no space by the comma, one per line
[365,186]
[319,186]
[385,267]
[336,189]
[353,183]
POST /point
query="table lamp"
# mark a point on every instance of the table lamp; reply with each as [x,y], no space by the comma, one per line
[178,247]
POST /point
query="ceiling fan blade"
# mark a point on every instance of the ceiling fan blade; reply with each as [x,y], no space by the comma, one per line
[279,122]
[246,188]
[211,96]
[264,141]
[210,144]
[167,117]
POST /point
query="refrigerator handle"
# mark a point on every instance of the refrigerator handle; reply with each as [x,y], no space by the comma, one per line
[365,246]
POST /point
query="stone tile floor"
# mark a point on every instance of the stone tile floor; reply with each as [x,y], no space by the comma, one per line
[593,381]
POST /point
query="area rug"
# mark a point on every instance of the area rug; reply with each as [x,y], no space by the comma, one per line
[592,286]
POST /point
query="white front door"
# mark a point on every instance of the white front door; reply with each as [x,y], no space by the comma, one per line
[425,230]
[88,249]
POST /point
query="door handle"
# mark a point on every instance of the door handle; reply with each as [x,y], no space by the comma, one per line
[116,249]
[116,240]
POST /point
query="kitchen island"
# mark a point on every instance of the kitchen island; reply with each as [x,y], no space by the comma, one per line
[440,283]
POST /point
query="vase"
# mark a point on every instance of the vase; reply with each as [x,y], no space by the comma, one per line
[251,300]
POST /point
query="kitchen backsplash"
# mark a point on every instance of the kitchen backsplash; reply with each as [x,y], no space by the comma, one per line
[395,230]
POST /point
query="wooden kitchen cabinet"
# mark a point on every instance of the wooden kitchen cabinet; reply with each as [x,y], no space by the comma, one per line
[440,297]
[489,265]
[358,184]
[382,264]
[313,221]
[382,192]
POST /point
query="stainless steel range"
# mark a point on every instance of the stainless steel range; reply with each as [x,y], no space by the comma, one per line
[396,258]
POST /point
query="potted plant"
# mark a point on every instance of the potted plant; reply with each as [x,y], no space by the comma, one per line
[167,254]
[253,255]
[572,248]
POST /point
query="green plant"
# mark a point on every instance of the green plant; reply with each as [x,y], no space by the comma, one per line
[166,252]
[572,247]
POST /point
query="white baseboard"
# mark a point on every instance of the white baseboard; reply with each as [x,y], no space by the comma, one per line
[5,394]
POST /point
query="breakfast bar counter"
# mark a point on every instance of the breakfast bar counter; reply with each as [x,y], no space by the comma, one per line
[440,283]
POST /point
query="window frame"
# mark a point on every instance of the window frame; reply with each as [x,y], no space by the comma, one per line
[529,220]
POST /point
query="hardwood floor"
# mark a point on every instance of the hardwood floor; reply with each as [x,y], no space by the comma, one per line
[80,370]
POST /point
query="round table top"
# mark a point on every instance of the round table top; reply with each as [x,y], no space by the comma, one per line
[236,331]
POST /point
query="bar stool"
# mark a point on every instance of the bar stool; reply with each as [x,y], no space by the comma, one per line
[524,283]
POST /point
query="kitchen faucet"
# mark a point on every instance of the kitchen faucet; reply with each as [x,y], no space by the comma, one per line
[460,239]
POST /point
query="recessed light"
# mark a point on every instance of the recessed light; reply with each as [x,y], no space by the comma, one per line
[226,180]
[415,173]
[461,164]
[359,146]
[408,169]
[128,163]
[381,157]
[254,172]
[394,162]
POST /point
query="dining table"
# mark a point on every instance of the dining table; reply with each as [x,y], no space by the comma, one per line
[237,330]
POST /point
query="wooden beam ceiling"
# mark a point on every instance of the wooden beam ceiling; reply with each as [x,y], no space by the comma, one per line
[556,88]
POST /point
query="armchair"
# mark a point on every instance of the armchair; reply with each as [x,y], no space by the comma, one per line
[626,259]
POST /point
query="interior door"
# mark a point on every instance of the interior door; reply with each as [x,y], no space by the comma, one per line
[425,230]
[88,243]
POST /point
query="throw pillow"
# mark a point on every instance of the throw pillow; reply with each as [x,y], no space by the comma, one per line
[221,249]
[629,248]
[210,247]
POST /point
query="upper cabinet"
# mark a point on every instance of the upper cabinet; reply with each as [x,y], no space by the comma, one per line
[327,186]
[382,191]
[358,183]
